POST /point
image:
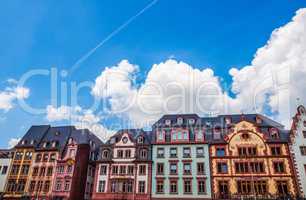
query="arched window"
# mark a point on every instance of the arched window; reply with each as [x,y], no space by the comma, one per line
[140,140]
[70,141]
[274,133]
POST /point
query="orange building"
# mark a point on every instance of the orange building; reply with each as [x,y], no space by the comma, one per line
[250,157]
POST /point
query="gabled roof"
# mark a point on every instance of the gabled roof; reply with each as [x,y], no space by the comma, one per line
[134,134]
[84,136]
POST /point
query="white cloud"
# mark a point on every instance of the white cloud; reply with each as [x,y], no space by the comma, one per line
[274,79]
[80,118]
[13,141]
[10,95]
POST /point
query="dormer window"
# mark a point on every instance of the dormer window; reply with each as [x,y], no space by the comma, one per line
[179,121]
[217,133]
[54,143]
[274,133]
[45,144]
[57,133]
[70,141]
[24,142]
[32,142]
[140,140]
[113,140]
[199,135]
[258,120]
[168,122]
[105,154]
[191,121]
[228,120]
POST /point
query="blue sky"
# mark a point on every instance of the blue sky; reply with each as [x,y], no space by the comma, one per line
[43,34]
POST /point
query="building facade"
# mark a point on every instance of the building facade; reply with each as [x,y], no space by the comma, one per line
[298,148]
[71,175]
[123,170]
[250,156]
[51,163]
[5,163]
[180,168]
[18,178]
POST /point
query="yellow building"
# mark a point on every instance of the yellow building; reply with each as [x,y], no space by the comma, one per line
[251,157]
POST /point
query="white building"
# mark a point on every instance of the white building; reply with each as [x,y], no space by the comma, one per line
[5,162]
[298,147]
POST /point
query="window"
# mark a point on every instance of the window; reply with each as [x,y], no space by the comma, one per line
[304,134]
[101,187]
[278,167]
[28,156]
[52,157]
[120,154]
[141,187]
[160,186]
[200,168]
[32,186]
[38,158]
[25,169]
[160,136]
[257,167]
[160,153]
[220,152]
[67,185]
[173,168]
[274,133]
[115,170]
[168,122]
[191,121]
[42,171]
[18,156]
[21,185]
[58,185]
[11,186]
[60,169]
[140,140]
[247,151]
[173,186]
[173,152]
[45,157]
[103,170]
[200,152]
[201,187]
[174,136]
[244,187]
[35,171]
[15,169]
[186,152]
[39,186]
[242,167]
[260,187]
[187,186]
[303,150]
[160,168]
[222,167]
[185,135]
[4,169]
[142,170]
[50,171]
[275,151]
[127,153]
[199,135]
[179,121]
[105,154]
[69,168]
[130,170]
[282,187]
[143,153]
[122,169]
[47,186]
[187,168]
